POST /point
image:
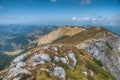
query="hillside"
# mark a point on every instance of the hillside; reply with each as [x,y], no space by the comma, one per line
[100,44]
[74,54]
[89,33]
[60,32]
[55,62]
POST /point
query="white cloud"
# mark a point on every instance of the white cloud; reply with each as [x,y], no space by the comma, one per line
[53,1]
[1,7]
[82,19]
[98,20]
[94,19]
[22,17]
[85,18]
[101,19]
[74,18]
[86,2]
[79,19]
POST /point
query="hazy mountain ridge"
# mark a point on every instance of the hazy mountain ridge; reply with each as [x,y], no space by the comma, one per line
[17,38]
[63,58]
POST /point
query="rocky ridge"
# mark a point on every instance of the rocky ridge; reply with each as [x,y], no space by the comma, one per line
[107,50]
[92,54]
[53,62]
[37,57]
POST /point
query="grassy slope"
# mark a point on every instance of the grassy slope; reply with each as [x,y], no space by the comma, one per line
[58,33]
[89,33]
[85,63]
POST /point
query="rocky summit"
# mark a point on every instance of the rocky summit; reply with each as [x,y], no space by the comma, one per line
[88,54]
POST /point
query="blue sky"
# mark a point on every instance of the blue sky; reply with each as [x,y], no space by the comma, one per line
[61,12]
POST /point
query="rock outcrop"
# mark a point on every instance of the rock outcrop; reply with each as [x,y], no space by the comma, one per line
[54,62]
[59,71]
[23,64]
[108,52]
[91,54]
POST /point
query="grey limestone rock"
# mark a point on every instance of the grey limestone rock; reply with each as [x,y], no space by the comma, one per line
[59,71]
[56,59]
[21,64]
[22,57]
[72,56]
[15,71]
[37,58]
[64,60]
[107,51]
[41,59]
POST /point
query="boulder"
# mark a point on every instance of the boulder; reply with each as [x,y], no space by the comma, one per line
[64,60]
[37,58]
[55,49]
[21,64]
[72,56]
[22,57]
[45,57]
[41,59]
[59,71]
[15,71]
[56,59]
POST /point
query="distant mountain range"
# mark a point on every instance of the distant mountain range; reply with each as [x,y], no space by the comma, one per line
[16,38]
[69,53]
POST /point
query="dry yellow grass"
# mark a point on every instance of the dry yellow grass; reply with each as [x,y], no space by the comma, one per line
[56,34]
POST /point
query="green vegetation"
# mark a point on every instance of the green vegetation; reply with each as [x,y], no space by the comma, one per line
[90,77]
[98,62]
[61,38]
[93,67]
[5,61]
[43,75]
[108,45]
[99,71]
[81,52]
[24,76]
[28,48]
